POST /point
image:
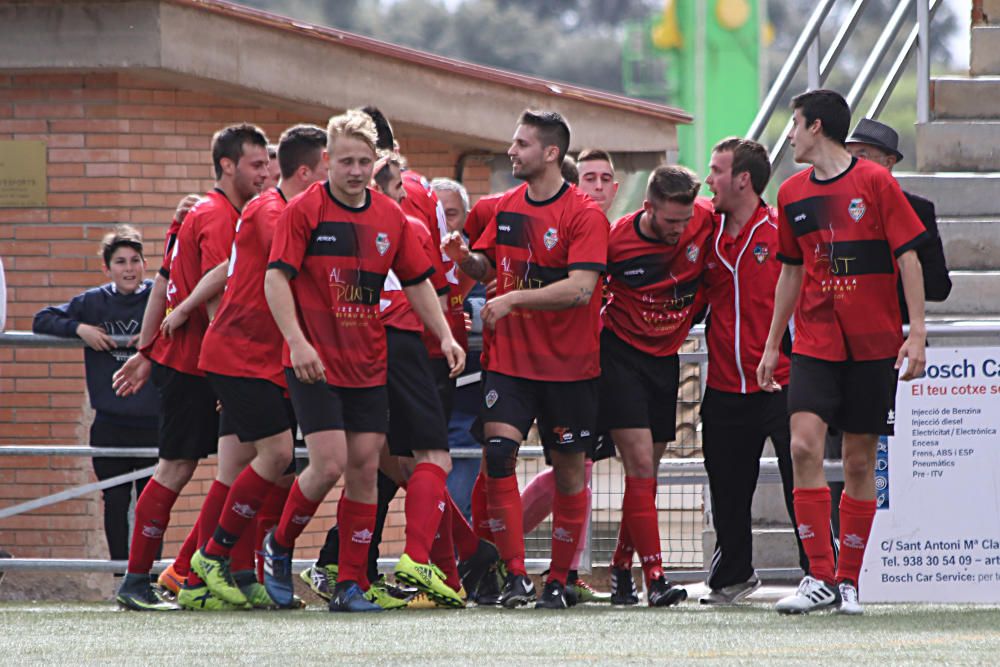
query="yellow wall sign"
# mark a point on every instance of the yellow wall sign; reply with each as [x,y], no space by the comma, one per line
[22,174]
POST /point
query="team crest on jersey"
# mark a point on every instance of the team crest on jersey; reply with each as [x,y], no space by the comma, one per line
[692,253]
[857,209]
[491,398]
[760,252]
[382,243]
[551,238]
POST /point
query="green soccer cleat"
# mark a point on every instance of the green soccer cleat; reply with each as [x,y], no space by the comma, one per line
[429,579]
[216,575]
[321,579]
[200,598]
[382,595]
[585,593]
[137,594]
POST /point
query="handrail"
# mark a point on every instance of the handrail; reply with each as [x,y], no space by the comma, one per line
[896,71]
[878,52]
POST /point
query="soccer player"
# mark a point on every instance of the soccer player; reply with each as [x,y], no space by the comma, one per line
[845,230]
[189,423]
[596,174]
[548,242]
[655,259]
[240,354]
[94,316]
[333,249]
[737,417]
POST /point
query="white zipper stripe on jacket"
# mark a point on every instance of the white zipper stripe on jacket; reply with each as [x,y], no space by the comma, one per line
[736,287]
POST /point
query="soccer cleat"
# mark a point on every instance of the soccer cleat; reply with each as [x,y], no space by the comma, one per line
[487,593]
[201,598]
[662,593]
[554,596]
[623,591]
[472,570]
[170,581]
[584,592]
[214,571]
[421,601]
[386,596]
[254,591]
[731,594]
[811,595]
[849,604]
[137,593]
[348,597]
[427,578]
[278,572]
[517,591]
[321,579]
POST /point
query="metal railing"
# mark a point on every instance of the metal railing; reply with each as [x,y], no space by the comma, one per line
[807,48]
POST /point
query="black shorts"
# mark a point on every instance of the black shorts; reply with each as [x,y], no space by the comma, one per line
[638,390]
[253,408]
[566,411]
[446,386]
[416,418]
[325,407]
[851,396]
[189,423]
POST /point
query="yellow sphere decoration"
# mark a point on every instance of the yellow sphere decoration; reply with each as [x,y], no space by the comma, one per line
[732,14]
[666,34]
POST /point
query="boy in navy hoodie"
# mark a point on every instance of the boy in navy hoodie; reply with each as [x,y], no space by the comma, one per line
[114,309]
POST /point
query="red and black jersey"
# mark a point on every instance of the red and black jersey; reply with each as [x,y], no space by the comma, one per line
[534,244]
[741,273]
[847,232]
[202,243]
[338,258]
[394,307]
[652,285]
[482,213]
[243,339]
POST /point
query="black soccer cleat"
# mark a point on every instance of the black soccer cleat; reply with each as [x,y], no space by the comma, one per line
[662,593]
[623,591]
[554,596]
[487,594]
[517,591]
[473,570]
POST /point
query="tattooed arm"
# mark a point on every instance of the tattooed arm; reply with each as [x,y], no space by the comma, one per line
[575,290]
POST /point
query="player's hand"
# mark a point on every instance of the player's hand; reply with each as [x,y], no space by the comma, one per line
[496,308]
[95,337]
[174,320]
[184,206]
[454,355]
[454,246]
[306,363]
[131,377]
[915,349]
[491,289]
[133,341]
[765,371]
[468,322]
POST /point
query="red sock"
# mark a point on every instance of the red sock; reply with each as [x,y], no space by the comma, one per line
[568,517]
[182,563]
[241,554]
[357,523]
[480,509]
[462,535]
[298,512]
[856,517]
[424,508]
[506,521]
[208,518]
[639,514]
[152,515]
[622,558]
[267,518]
[246,495]
[812,511]
[443,549]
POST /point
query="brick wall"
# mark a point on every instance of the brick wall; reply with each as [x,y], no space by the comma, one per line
[121,148]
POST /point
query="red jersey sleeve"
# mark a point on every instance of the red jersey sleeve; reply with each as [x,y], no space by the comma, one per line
[903,229]
[487,242]
[215,240]
[789,251]
[168,247]
[411,263]
[588,243]
[291,239]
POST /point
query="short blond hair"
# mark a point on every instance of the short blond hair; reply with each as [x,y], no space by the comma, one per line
[352,123]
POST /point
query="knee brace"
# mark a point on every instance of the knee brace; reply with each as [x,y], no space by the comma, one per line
[501,457]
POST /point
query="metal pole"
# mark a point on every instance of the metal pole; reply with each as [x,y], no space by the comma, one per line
[896,71]
[812,66]
[877,54]
[923,62]
[75,492]
[788,70]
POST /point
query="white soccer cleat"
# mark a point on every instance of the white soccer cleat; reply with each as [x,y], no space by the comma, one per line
[811,595]
[849,604]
